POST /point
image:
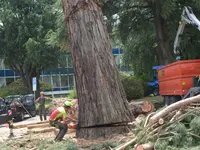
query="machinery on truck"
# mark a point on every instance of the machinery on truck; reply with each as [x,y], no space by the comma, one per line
[179,80]
[153,84]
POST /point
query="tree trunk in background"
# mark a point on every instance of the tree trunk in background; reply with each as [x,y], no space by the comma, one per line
[163,50]
[101,98]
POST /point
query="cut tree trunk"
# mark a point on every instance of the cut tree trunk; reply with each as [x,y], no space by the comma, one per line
[142,107]
[103,132]
[101,97]
[148,146]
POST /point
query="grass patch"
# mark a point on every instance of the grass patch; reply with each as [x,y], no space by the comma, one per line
[40,145]
[150,99]
[106,145]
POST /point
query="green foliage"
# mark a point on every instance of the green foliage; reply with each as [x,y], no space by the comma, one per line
[72,94]
[40,144]
[45,86]
[17,88]
[133,87]
[106,145]
[23,35]
[182,137]
[136,25]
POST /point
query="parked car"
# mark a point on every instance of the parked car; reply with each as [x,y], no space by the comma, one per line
[21,105]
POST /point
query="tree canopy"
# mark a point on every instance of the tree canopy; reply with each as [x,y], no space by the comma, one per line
[148,29]
[25,36]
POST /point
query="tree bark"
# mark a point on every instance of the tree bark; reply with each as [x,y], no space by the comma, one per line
[101,97]
[163,50]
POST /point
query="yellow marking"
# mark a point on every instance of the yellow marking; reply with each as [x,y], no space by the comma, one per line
[183,83]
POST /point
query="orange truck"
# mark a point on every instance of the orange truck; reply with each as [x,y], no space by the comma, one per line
[179,80]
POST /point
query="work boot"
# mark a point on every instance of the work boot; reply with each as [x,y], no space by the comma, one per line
[11,135]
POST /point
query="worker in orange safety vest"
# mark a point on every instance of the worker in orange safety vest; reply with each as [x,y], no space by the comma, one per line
[58,115]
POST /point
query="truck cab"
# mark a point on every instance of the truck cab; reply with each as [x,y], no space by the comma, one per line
[153,85]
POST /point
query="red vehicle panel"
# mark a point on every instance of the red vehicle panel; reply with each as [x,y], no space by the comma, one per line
[177,78]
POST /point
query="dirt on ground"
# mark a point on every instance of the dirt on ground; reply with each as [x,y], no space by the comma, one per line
[42,141]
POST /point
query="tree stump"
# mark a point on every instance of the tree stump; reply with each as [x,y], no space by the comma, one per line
[103,132]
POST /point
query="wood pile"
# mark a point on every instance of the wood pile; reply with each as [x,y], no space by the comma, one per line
[174,127]
[42,127]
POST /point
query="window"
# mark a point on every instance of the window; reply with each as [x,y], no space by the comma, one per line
[56,81]
[71,81]
[2,82]
[47,79]
[64,81]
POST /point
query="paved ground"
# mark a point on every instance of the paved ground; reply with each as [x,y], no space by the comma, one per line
[4,131]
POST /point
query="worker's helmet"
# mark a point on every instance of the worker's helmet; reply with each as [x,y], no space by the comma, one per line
[67,104]
[42,93]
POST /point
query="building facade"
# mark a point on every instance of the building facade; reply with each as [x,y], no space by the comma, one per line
[61,78]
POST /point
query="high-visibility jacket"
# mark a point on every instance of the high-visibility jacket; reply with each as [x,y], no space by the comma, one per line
[58,114]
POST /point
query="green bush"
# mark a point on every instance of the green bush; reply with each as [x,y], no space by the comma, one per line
[17,88]
[45,86]
[72,94]
[133,87]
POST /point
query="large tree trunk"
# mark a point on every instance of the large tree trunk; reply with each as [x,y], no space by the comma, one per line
[163,50]
[101,97]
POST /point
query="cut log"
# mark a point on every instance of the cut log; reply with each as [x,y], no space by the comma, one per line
[19,126]
[25,125]
[38,125]
[51,129]
[148,146]
[173,107]
[105,132]
[142,107]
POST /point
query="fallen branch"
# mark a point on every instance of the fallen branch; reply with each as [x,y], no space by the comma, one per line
[173,107]
[124,146]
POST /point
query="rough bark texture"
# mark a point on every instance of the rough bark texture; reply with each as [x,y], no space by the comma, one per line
[101,96]
[163,50]
[104,132]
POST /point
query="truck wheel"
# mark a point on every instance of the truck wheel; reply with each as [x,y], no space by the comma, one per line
[174,99]
[166,100]
[156,92]
[20,117]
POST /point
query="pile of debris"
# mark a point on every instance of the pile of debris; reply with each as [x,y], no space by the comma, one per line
[59,102]
[174,127]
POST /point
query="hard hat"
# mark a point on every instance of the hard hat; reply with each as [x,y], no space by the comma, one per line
[67,104]
[42,93]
